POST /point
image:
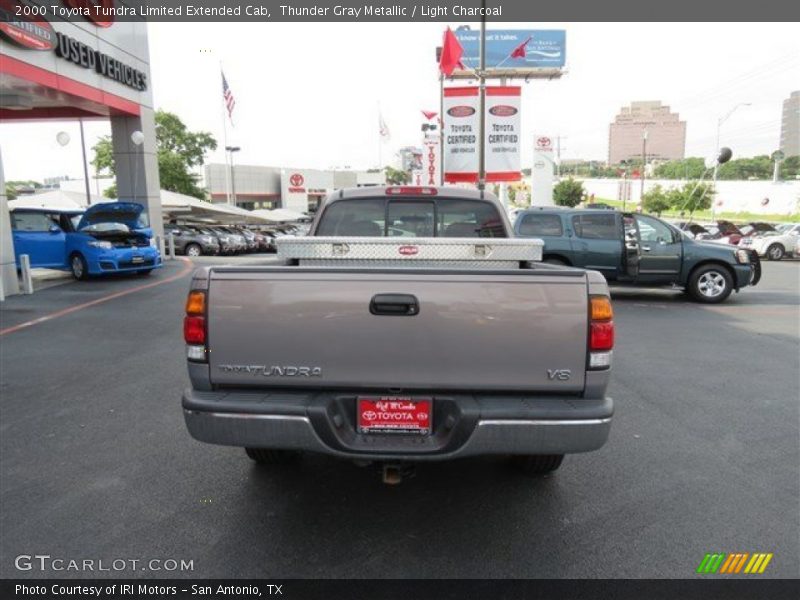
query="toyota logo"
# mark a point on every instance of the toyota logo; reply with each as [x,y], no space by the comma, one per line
[461,111]
[296,180]
[503,110]
[543,142]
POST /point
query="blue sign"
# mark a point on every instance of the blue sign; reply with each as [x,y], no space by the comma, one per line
[547,48]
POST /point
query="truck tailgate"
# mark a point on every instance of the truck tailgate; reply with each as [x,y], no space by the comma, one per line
[314,328]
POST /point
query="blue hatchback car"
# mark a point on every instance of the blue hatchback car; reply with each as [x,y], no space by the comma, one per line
[109,237]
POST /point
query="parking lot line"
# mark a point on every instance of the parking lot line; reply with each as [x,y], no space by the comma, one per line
[187,267]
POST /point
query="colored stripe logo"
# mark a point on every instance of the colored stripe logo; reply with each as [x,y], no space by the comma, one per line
[734,563]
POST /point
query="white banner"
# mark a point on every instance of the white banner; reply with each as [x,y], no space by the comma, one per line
[461,124]
[542,172]
[431,163]
[417,177]
[502,135]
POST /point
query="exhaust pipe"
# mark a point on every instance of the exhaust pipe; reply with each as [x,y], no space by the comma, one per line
[392,474]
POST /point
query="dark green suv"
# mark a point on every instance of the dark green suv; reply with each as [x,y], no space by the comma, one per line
[635,249]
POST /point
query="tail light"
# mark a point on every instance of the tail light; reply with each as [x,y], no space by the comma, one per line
[194,326]
[601,332]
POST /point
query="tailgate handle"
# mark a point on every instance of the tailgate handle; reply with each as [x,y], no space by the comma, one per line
[398,305]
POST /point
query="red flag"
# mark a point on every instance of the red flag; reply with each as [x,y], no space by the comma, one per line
[519,51]
[451,54]
[429,114]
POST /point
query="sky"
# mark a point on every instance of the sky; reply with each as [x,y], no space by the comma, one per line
[308,95]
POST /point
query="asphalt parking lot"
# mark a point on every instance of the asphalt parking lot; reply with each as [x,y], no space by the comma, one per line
[95,461]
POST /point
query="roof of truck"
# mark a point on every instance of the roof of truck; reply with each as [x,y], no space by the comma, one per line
[440,192]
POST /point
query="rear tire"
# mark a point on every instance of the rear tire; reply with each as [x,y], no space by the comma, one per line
[775,252]
[269,456]
[78,266]
[194,250]
[710,284]
[538,464]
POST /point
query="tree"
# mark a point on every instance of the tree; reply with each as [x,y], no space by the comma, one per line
[568,192]
[688,168]
[179,151]
[692,197]
[15,188]
[396,176]
[657,200]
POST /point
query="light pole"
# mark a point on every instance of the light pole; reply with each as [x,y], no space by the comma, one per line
[644,166]
[720,121]
[231,150]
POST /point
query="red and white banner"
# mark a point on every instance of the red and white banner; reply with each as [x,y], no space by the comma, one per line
[461,126]
[431,163]
[502,135]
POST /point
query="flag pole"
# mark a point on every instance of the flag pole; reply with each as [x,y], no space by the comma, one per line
[225,142]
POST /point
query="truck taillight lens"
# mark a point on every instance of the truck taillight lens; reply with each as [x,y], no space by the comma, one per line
[410,190]
[194,326]
[601,332]
[196,303]
[194,330]
[602,336]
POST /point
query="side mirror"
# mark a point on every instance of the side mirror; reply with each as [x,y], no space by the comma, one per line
[54,229]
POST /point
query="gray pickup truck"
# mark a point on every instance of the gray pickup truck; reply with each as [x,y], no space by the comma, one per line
[408,326]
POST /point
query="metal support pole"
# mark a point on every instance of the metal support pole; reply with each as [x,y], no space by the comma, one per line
[644,166]
[482,107]
[171,246]
[441,128]
[85,165]
[233,181]
[27,278]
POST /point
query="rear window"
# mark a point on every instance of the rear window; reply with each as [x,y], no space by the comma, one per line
[536,224]
[410,218]
[596,227]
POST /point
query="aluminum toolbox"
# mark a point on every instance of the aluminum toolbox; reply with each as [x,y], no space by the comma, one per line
[455,253]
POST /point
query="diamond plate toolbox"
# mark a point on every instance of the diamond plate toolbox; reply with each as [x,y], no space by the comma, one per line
[421,252]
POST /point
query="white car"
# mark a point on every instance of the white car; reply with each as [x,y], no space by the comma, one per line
[773,244]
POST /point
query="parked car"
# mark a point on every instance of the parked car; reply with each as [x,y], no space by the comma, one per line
[398,378]
[190,241]
[693,230]
[636,249]
[723,232]
[109,237]
[772,244]
[793,228]
[231,241]
[757,228]
[251,244]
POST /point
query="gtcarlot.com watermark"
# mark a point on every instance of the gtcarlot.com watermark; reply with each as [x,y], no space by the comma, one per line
[48,563]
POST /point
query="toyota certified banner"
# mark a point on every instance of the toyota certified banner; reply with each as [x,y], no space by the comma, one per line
[461,134]
[461,127]
[502,133]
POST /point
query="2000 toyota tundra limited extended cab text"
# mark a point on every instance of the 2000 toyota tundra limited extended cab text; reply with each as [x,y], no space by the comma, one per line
[408,326]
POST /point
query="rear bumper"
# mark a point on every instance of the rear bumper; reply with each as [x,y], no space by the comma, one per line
[463,425]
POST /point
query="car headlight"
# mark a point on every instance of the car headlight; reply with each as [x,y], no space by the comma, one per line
[101,244]
[742,257]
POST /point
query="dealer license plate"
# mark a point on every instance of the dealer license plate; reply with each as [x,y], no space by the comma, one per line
[393,414]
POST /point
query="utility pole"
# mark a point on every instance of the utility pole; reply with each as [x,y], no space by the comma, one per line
[644,165]
[482,108]
[231,150]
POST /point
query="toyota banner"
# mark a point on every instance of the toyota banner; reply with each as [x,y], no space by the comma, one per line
[502,134]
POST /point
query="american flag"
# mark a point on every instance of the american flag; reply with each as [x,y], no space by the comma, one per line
[383,129]
[227,95]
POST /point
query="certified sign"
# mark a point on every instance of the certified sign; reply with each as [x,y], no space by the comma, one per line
[31,32]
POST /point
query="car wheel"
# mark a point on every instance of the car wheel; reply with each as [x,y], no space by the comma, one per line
[710,284]
[538,464]
[775,252]
[194,250]
[270,456]
[79,268]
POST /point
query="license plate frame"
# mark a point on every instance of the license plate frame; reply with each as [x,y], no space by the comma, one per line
[394,415]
